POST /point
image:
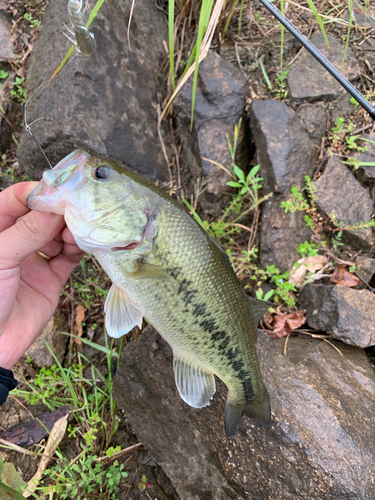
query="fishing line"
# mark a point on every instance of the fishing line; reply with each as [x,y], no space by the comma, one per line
[28,126]
[320,58]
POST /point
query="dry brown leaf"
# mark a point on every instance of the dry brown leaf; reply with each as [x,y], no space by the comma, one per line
[343,277]
[80,316]
[286,323]
[54,439]
[312,264]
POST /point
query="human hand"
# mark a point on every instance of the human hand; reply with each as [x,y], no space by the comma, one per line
[29,285]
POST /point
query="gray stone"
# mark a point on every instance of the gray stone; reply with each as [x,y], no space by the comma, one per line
[219,104]
[6,43]
[320,445]
[339,193]
[341,107]
[308,80]
[281,234]
[106,103]
[344,313]
[7,116]
[286,154]
[314,119]
[365,269]
[366,173]
[285,151]
[56,340]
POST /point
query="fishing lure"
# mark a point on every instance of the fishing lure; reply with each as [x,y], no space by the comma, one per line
[84,39]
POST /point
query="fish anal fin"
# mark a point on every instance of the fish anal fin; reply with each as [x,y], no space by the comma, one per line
[145,270]
[259,308]
[258,410]
[195,385]
[122,314]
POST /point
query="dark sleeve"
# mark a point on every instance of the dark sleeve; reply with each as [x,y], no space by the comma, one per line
[7,383]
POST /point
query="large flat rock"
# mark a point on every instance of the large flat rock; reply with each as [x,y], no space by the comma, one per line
[286,154]
[344,313]
[309,81]
[106,103]
[338,192]
[219,104]
[321,443]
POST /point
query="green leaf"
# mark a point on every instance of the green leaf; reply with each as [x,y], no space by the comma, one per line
[253,171]
[239,173]
[234,184]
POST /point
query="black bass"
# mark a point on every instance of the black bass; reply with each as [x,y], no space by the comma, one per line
[164,267]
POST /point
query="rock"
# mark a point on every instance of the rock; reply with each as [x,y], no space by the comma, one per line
[366,173]
[344,313]
[341,107]
[309,81]
[286,154]
[314,119]
[57,341]
[219,104]
[6,43]
[347,200]
[106,103]
[321,443]
[365,269]
[285,151]
[281,234]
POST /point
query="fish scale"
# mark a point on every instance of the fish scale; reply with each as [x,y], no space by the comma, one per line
[174,274]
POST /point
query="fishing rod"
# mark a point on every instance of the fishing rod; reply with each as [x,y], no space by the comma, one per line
[320,58]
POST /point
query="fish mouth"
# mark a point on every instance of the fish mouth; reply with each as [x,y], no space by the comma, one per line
[51,192]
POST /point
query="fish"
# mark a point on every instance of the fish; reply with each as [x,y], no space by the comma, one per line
[166,268]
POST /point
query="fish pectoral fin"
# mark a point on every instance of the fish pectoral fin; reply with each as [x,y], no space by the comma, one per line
[122,313]
[259,308]
[195,385]
[144,270]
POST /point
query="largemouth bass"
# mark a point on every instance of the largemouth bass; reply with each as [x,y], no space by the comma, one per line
[167,268]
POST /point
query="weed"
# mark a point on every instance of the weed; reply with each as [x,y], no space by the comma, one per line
[314,221]
[343,140]
[3,74]
[19,92]
[34,22]
[308,249]
[280,88]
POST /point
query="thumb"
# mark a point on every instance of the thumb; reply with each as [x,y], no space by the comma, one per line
[28,235]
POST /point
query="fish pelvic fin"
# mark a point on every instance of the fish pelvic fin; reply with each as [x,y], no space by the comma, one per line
[259,410]
[195,385]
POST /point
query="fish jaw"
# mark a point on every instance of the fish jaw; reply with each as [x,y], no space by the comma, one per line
[52,192]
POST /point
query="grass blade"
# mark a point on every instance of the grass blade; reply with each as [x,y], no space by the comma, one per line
[320,23]
[348,34]
[234,5]
[204,17]
[171,40]
[269,84]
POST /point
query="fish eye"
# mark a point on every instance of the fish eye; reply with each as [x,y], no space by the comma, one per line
[102,173]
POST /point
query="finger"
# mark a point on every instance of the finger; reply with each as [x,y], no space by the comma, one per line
[66,261]
[13,203]
[52,248]
[28,235]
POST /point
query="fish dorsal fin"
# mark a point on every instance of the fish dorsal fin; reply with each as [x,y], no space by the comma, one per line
[258,308]
[145,270]
[195,385]
[122,314]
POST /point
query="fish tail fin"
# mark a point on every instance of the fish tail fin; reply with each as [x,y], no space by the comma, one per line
[259,410]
